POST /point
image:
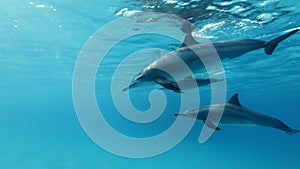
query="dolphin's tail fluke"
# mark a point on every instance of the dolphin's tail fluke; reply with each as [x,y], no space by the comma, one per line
[272,44]
[293,131]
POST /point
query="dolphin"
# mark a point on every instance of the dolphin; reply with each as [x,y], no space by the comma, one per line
[186,52]
[236,114]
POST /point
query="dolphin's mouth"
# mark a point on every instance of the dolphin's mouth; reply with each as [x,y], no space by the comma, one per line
[129,86]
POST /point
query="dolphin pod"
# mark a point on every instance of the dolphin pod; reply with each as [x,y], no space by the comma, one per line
[236,114]
[225,49]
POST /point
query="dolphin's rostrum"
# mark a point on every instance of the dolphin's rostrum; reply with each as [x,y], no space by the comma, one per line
[235,114]
[226,50]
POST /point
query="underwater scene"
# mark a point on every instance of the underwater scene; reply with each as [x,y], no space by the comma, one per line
[168,84]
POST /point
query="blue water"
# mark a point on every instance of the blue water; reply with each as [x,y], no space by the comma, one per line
[40,44]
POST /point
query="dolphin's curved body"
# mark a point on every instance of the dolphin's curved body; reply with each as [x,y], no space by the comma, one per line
[235,114]
[226,50]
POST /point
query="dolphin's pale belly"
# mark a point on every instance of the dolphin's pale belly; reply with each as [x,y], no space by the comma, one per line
[236,48]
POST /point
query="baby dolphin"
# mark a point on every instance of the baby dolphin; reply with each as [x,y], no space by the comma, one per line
[236,114]
[226,50]
[189,82]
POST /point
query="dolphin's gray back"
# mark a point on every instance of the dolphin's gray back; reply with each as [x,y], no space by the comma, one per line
[235,115]
[235,48]
[190,55]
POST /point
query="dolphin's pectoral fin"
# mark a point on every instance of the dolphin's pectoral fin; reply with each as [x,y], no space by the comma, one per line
[203,82]
[199,81]
[167,84]
[211,125]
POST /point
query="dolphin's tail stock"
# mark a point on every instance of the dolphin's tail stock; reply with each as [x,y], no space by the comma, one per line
[272,44]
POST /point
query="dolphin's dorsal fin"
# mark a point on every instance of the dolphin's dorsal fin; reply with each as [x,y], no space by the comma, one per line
[235,100]
[188,28]
[188,40]
[211,125]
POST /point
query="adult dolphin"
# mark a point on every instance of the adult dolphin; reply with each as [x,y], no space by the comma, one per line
[225,49]
[235,114]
